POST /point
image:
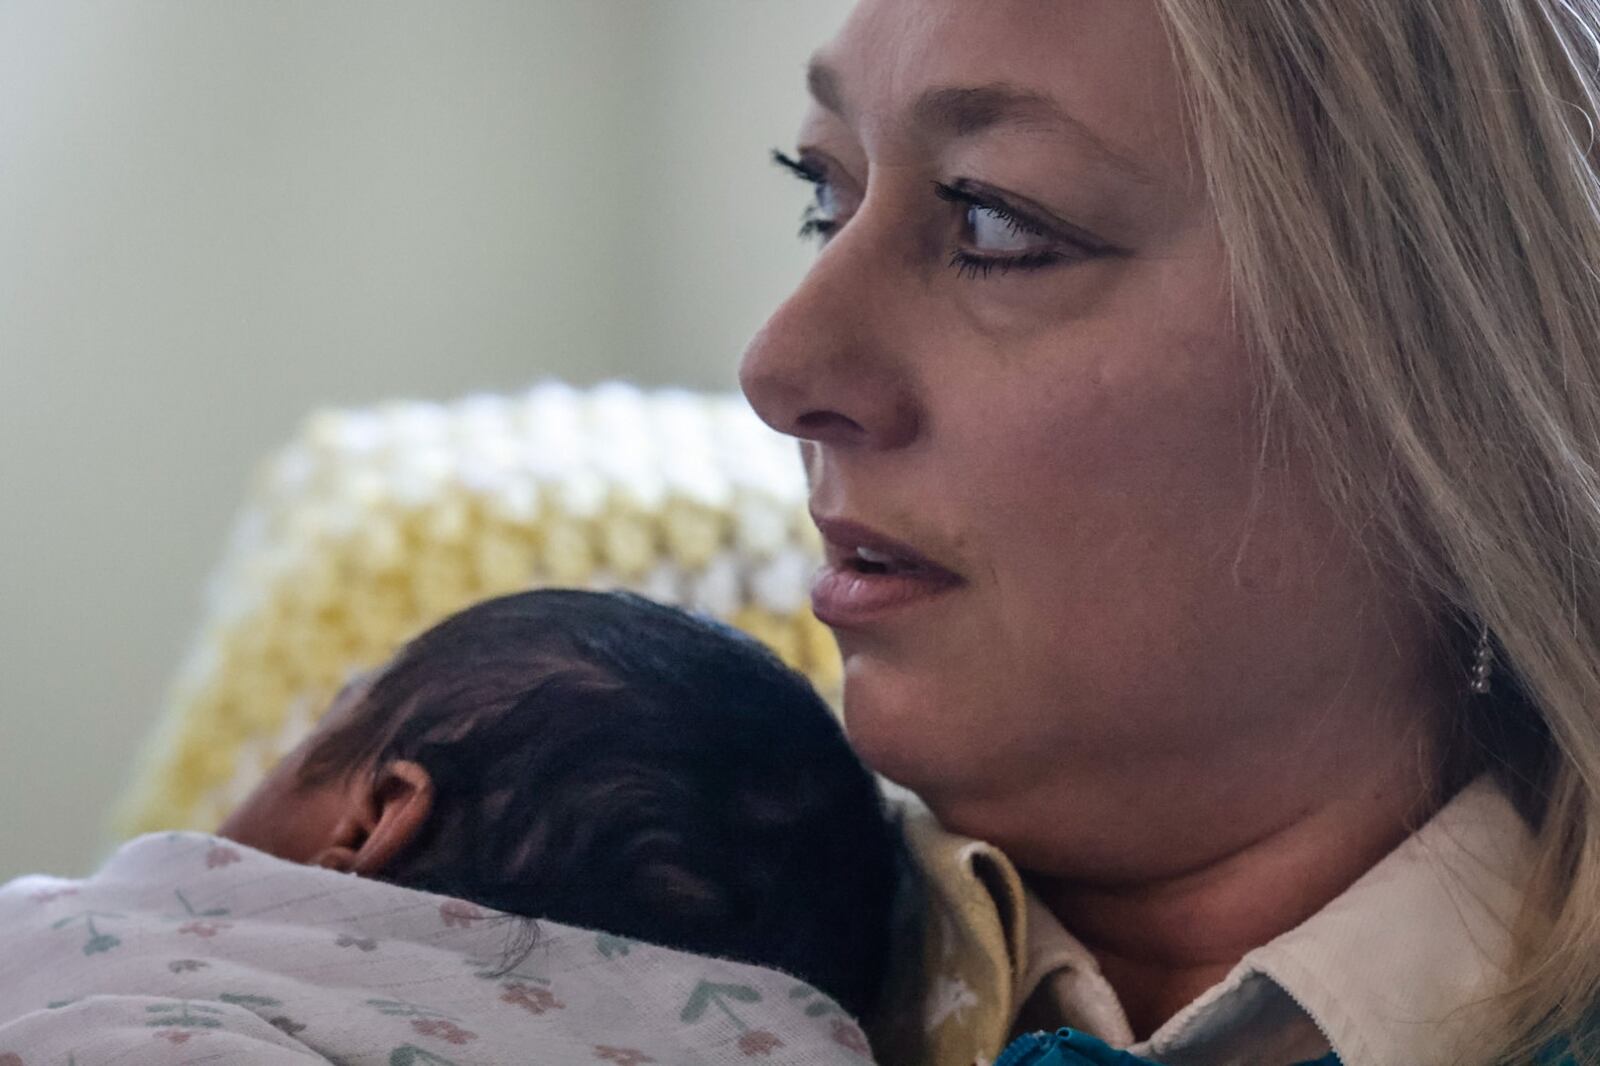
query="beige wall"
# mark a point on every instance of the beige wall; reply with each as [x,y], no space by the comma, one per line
[215,217]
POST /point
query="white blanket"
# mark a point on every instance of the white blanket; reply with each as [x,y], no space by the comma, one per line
[187,949]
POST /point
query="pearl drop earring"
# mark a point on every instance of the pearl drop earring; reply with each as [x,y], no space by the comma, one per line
[1482,663]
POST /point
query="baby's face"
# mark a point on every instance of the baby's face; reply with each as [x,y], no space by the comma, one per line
[285,816]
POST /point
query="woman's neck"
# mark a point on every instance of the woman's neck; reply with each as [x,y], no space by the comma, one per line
[1163,941]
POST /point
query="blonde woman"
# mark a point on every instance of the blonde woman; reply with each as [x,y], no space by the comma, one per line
[1201,402]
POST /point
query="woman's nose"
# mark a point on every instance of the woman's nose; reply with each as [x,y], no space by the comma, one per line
[824,367]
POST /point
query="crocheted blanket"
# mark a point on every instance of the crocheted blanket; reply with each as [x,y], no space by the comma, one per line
[186,949]
[374,524]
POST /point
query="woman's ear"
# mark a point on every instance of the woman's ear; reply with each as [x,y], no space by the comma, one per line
[387,811]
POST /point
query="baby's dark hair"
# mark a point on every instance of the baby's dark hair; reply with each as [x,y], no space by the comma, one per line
[604,761]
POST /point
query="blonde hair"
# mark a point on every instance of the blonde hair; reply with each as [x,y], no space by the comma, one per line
[1409,197]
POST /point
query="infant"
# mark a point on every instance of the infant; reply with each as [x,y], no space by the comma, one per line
[707,863]
[604,761]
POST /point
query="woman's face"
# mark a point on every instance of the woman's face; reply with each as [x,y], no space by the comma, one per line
[1014,355]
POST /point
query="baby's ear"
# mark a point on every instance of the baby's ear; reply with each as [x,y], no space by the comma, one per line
[387,811]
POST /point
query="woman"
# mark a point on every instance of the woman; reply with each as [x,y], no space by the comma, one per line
[1200,404]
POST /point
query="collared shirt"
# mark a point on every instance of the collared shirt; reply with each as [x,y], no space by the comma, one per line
[1392,972]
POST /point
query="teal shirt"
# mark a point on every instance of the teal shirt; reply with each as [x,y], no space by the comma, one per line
[1068,1047]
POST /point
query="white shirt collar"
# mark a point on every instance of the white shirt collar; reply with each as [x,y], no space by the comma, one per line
[1391,971]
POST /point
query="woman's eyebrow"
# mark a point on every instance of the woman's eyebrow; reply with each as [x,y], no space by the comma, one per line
[823,83]
[962,111]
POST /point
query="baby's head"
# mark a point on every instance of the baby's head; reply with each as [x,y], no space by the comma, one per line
[600,760]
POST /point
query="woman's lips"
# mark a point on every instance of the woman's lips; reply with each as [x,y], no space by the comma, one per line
[842,597]
[849,592]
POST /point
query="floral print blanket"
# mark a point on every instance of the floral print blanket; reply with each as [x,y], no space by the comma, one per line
[187,949]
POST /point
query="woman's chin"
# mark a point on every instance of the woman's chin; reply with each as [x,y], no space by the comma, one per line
[907,728]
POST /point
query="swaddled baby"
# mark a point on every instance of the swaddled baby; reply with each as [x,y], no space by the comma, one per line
[642,782]
[603,761]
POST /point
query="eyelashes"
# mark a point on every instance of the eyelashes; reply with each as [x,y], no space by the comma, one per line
[813,223]
[984,211]
[803,169]
[970,264]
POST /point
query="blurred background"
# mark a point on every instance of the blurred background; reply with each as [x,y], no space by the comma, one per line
[216,218]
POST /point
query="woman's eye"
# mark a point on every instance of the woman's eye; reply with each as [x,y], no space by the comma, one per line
[822,215]
[993,232]
[994,237]
[997,237]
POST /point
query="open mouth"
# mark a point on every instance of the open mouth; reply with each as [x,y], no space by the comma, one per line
[869,576]
[871,561]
